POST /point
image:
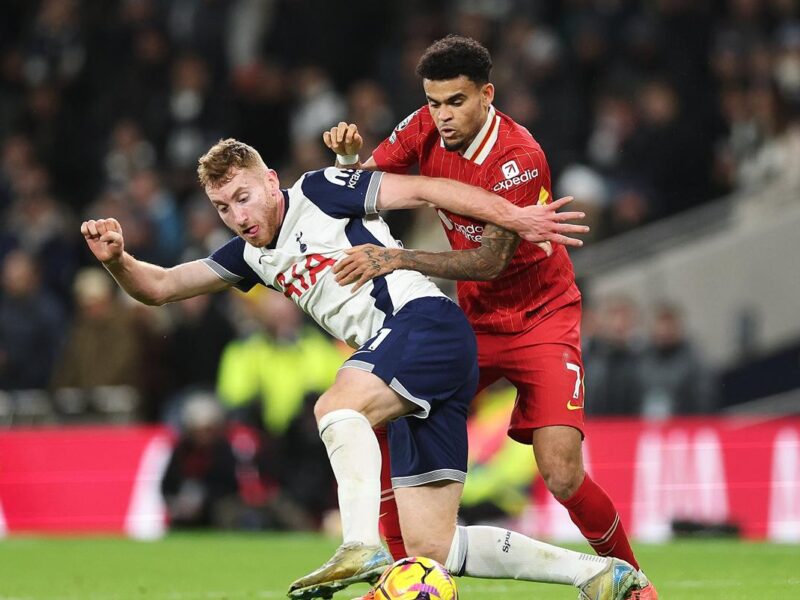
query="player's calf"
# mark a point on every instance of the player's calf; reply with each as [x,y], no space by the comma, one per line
[428,517]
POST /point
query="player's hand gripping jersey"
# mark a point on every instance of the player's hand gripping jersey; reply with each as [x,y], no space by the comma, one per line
[327,211]
[505,159]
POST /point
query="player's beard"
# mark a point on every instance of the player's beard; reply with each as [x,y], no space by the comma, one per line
[454,146]
[460,145]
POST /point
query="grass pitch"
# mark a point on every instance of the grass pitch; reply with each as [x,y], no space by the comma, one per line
[261,566]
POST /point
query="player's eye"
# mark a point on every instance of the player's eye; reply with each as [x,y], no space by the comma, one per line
[243,199]
[222,209]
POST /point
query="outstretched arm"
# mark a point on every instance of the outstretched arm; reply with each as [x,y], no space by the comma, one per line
[480,264]
[535,223]
[147,283]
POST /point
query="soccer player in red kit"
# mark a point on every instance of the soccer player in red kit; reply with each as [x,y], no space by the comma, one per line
[521,298]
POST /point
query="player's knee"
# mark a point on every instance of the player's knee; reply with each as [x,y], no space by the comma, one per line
[331,401]
[562,477]
[325,404]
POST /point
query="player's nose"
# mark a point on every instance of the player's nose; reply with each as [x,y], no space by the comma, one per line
[239,216]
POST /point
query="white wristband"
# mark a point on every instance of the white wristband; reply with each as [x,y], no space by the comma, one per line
[347,159]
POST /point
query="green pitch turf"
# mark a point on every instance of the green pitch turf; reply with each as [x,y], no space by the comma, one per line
[256,566]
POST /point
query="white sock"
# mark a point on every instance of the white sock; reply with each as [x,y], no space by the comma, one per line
[497,553]
[355,458]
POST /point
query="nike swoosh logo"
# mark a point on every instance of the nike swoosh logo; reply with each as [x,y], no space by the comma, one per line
[380,516]
[571,406]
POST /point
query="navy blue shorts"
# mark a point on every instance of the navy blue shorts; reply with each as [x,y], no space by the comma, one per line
[427,354]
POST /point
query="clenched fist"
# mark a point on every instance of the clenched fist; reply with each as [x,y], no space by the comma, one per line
[104,238]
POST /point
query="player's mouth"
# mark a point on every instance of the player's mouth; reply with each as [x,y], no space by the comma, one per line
[251,231]
[448,132]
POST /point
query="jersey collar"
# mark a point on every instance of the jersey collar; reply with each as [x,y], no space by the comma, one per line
[483,143]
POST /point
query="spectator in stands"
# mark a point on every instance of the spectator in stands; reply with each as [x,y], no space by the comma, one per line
[612,361]
[258,372]
[203,233]
[154,202]
[302,501]
[672,375]
[669,151]
[199,485]
[102,347]
[142,86]
[367,104]
[39,224]
[194,347]
[261,106]
[591,196]
[129,152]
[55,48]
[31,325]
[779,138]
[317,104]
[17,158]
[196,118]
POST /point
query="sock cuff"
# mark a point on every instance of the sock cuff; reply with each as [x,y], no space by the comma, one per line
[341,414]
[457,557]
[579,494]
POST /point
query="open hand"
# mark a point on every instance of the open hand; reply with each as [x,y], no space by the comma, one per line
[104,238]
[542,223]
[343,139]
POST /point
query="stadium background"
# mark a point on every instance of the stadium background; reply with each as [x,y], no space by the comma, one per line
[675,124]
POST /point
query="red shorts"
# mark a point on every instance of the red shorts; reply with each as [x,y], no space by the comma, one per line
[544,364]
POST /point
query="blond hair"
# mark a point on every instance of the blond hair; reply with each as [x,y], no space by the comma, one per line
[215,167]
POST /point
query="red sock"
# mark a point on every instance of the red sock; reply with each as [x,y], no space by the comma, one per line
[390,519]
[592,511]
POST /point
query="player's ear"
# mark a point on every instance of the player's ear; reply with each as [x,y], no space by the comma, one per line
[272,177]
[487,94]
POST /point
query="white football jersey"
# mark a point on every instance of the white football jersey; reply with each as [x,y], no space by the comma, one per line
[326,212]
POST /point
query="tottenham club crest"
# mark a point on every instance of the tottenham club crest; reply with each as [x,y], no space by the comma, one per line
[299,239]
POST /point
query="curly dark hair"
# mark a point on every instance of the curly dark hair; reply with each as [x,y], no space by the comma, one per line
[453,56]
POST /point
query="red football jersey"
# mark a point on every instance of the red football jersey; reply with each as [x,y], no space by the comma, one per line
[505,159]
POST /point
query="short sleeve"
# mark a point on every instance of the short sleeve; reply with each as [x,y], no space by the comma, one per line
[229,264]
[398,152]
[521,176]
[343,193]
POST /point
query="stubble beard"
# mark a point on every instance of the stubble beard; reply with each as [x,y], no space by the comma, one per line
[462,145]
[456,147]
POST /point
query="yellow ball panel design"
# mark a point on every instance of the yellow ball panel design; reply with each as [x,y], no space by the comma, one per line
[416,578]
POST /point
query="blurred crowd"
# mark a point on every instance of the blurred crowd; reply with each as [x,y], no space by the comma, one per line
[643,363]
[644,108]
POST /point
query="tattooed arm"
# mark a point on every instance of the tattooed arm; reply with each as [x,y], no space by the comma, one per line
[482,264]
